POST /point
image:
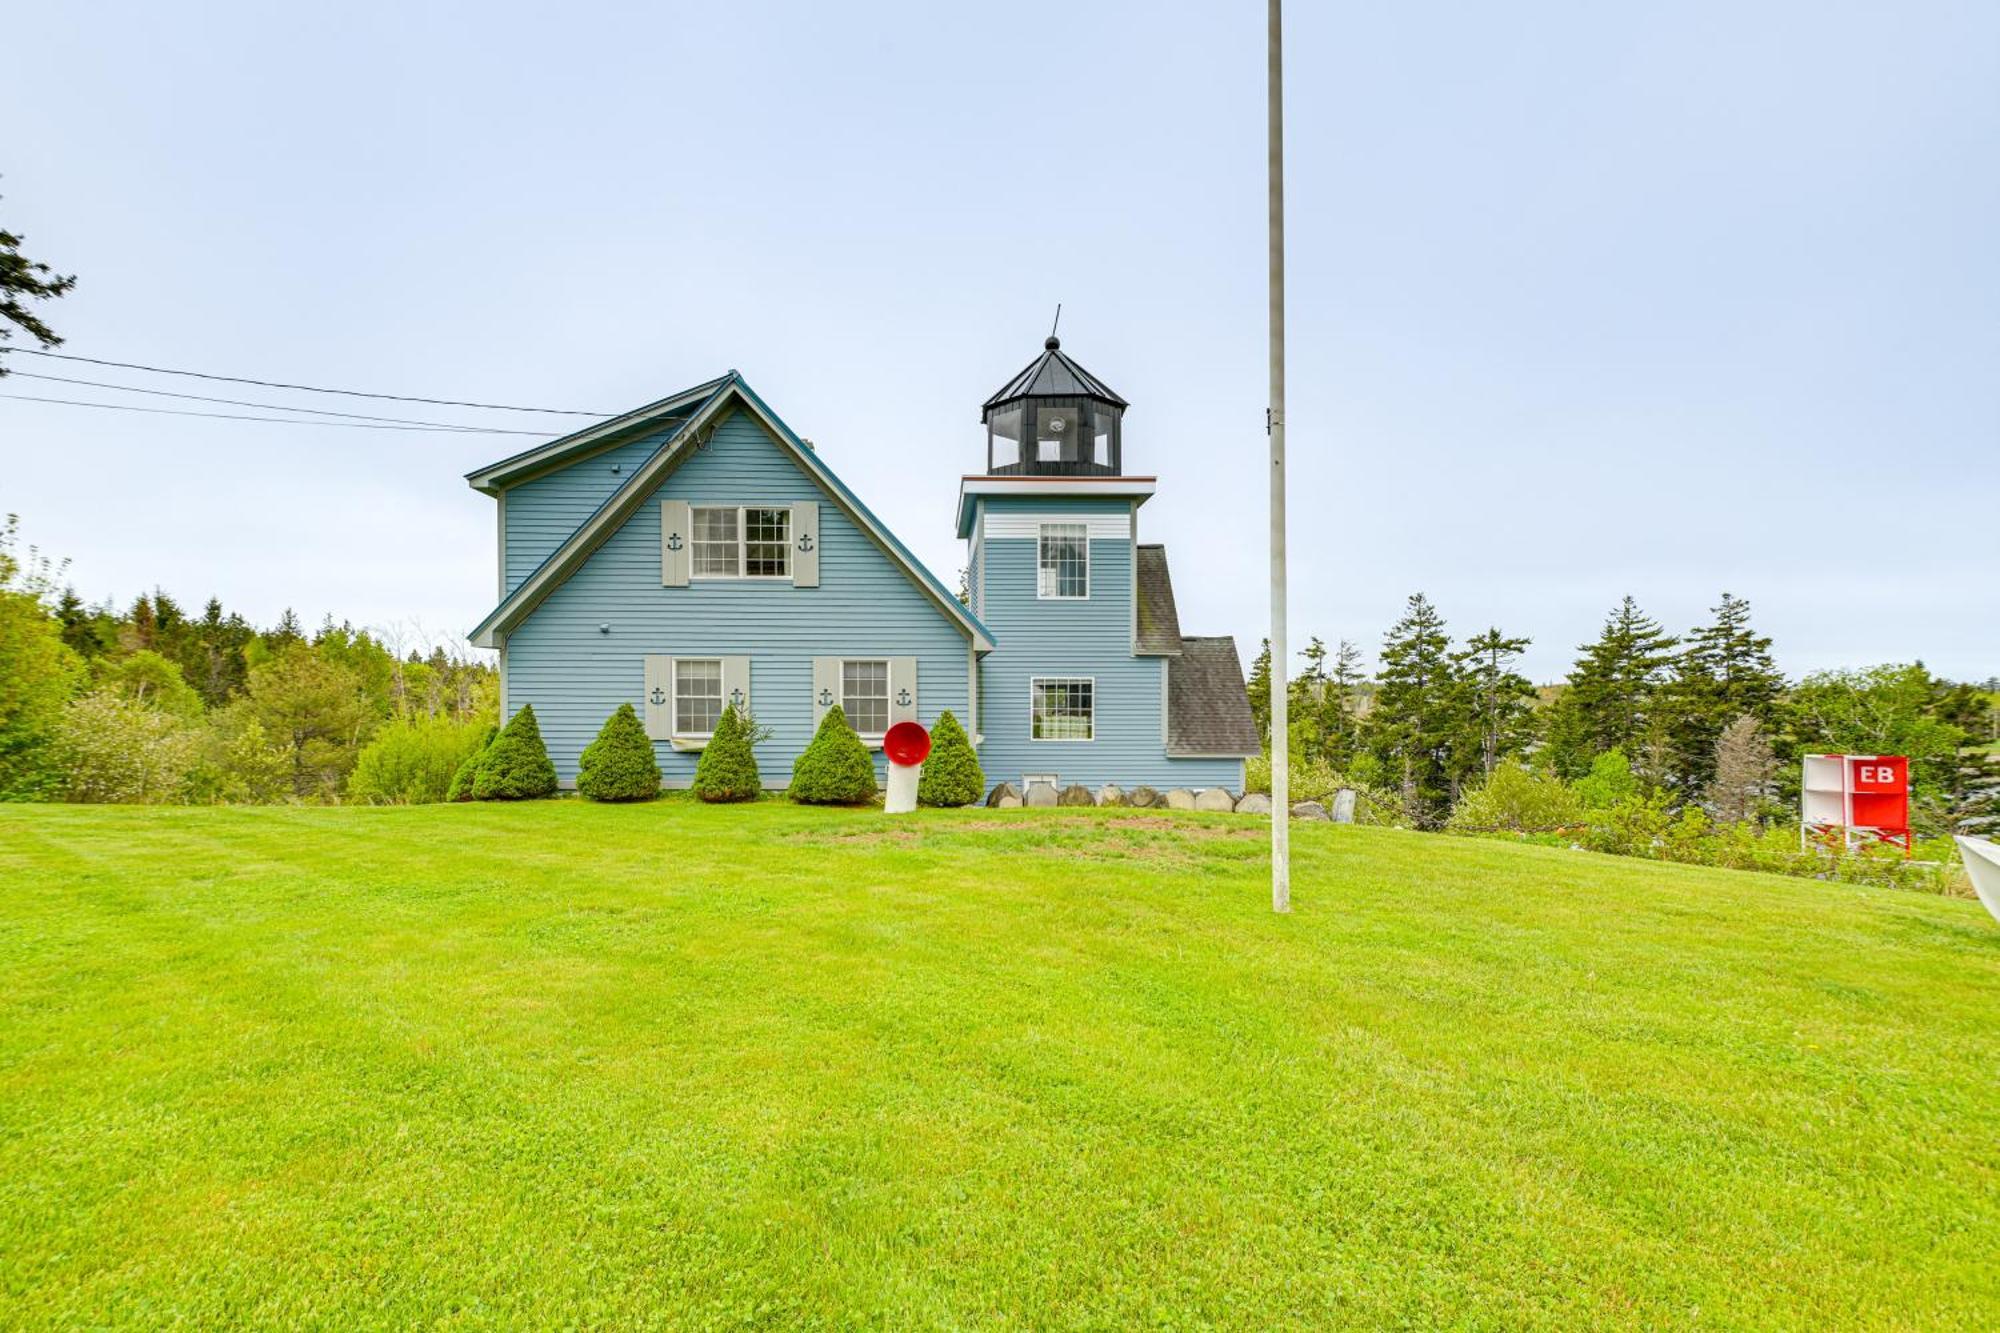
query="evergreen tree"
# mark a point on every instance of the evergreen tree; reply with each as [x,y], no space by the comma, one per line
[620,764]
[1613,691]
[1344,705]
[1499,700]
[951,775]
[1418,711]
[1259,688]
[516,766]
[1724,672]
[727,770]
[23,280]
[835,768]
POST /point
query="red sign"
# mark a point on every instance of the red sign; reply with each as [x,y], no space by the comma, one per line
[1879,774]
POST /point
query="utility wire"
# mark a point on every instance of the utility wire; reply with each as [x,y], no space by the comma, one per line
[240,402]
[307,388]
[282,421]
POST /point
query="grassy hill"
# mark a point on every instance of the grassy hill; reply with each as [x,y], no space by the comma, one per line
[560,1063]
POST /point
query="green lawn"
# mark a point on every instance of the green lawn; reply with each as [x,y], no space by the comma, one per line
[567,1064]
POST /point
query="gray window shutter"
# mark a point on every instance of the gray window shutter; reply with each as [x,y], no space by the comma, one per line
[826,687]
[805,544]
[736,684]
[659,696]
[902,689]
[676,543]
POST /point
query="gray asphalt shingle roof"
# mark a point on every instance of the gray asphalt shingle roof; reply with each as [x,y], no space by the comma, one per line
[1208,706]
[1159,622]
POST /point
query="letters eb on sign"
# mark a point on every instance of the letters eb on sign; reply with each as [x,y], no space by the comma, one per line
[1879,775]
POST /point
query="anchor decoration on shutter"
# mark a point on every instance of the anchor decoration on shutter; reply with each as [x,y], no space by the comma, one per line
[674,520]
[902,689]
[805,544]
[659,696]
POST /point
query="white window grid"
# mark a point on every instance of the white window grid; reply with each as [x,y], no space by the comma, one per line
[697,695]
[1062,708]
[741,541]
[1062,561]
[864,694]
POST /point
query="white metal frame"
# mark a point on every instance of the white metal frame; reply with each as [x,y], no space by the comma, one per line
[742,544]
[1041,535]
[1062,740]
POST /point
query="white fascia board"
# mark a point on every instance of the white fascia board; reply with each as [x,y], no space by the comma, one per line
[1136,489]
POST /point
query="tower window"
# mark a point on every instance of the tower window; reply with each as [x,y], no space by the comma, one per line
[1063,563]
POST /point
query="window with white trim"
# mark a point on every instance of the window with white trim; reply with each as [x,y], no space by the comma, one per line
[741,541]
[697,695]
[1062,566]
[864,695]
[1062,708]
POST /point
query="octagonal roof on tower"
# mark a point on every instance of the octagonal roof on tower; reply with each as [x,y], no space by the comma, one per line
[1053,374]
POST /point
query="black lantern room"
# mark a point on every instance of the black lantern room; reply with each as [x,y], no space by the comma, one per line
[1054,419]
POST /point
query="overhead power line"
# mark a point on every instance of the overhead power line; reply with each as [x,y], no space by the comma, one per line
[307,388]
[243,402]
[282,421]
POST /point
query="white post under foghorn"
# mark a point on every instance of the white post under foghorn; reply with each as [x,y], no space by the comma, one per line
[905,745]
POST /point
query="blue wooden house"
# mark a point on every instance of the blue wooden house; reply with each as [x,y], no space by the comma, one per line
[695,553]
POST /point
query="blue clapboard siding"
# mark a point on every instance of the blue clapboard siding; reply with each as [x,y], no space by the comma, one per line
[1037,637]
[865,605]
[542,513]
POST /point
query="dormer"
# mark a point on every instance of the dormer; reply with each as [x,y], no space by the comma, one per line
[1054,419]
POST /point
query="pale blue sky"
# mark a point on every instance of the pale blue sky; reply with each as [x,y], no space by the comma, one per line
[1586,299]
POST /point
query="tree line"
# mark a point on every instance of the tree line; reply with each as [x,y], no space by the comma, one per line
[1702,719]
[151,703]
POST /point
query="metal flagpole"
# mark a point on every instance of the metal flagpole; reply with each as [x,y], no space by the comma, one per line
[1281,784]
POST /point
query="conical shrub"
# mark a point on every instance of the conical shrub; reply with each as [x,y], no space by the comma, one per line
[468,772]
[619,765]
[516,766]
[835,768]
[951,775]
[727,770]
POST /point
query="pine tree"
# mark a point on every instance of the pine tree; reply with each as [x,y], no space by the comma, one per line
[1344,705]
[1499,700]
[727,769]
[620,765]
[1724,672]
[23,280]
[1259,688]
[1418,710]
[951,775]
[1613,691]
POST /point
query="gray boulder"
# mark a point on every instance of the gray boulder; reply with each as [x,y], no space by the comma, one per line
[1180,798]
[1143,798]
[1214,798]
[1254,803]
[1343,806]
[1111,794]
[1040,795]
[1003,796]
[1308,810]
[1076,794]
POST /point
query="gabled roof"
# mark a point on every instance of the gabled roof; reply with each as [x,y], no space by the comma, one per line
[717,398]
[1208,706]
[1054,374]
[1159,627]
[496,477]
